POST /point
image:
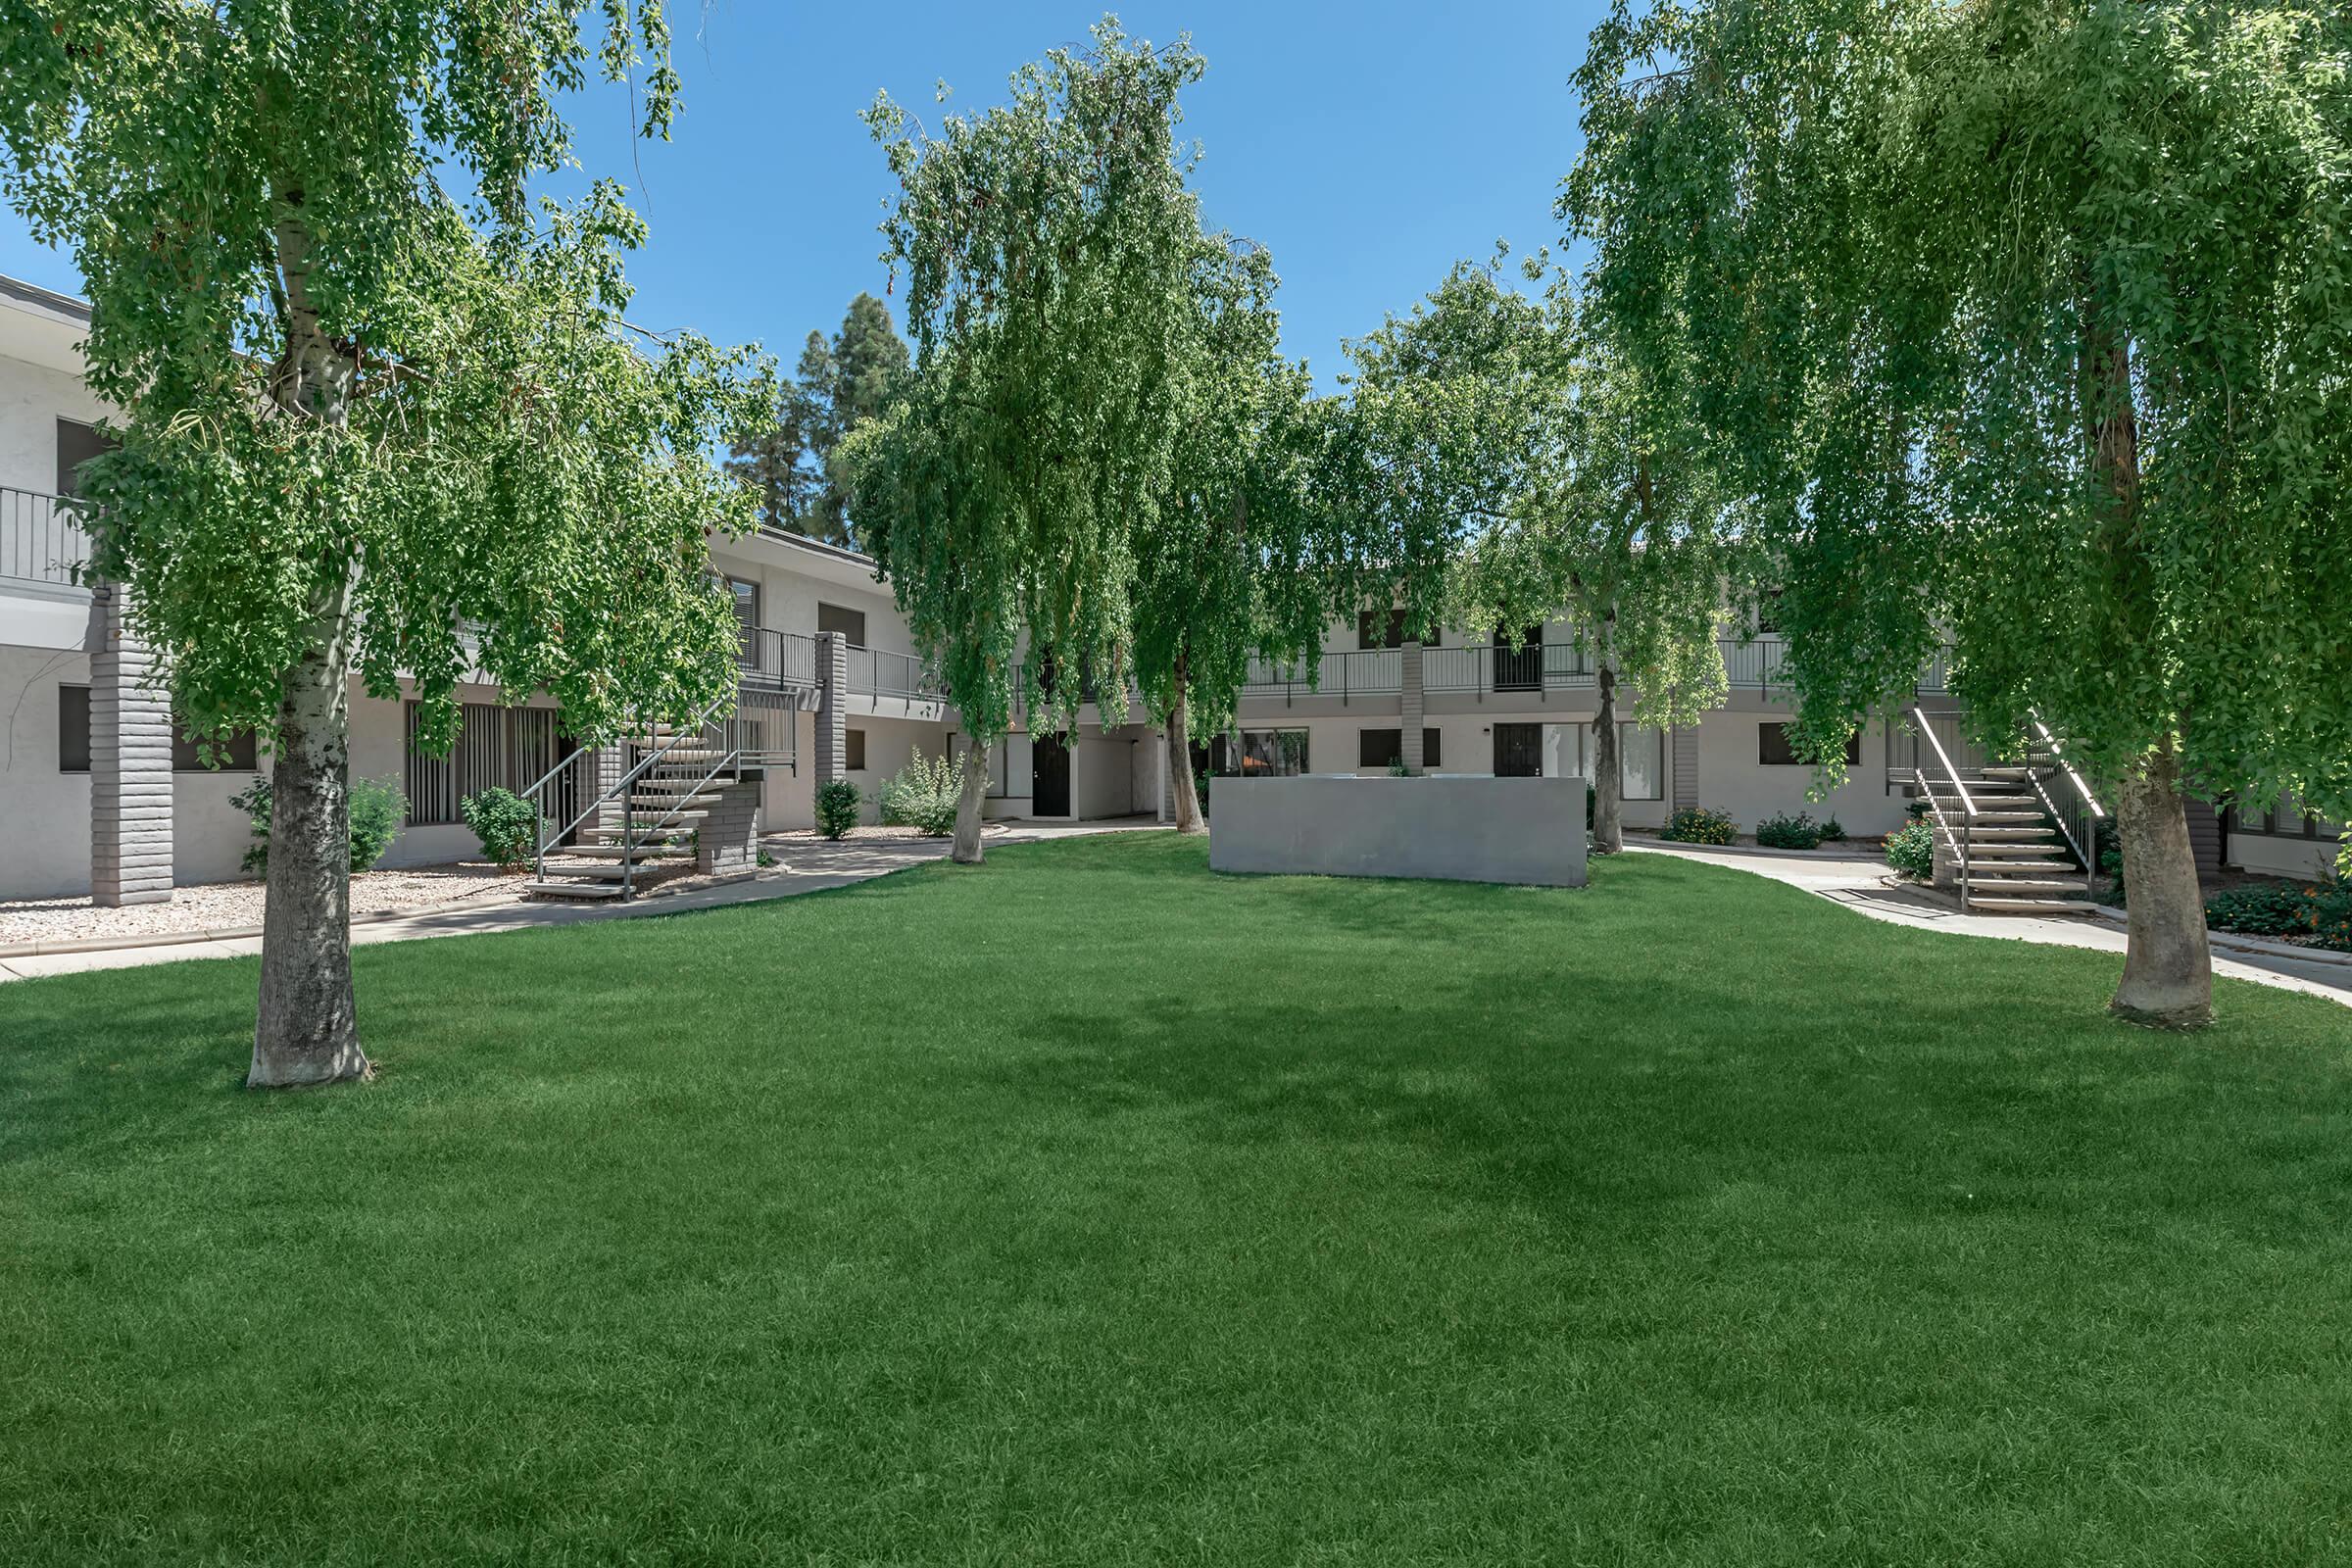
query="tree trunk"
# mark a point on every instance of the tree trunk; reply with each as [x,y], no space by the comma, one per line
[1180,758]
[306,1030]
[1608,778]
[965,848]
[2167,961]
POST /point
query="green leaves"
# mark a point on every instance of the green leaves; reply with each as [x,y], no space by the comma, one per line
[2022,324]
[332,373]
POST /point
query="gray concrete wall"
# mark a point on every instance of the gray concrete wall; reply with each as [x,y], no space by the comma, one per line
[1527,830]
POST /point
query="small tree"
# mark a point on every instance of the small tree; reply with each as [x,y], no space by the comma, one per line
[2028,323]
[361,413]
[1049,247]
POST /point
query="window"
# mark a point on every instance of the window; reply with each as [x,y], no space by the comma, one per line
[853,751]
[72,729]
[1378,750]
[76,444]
[1641,757]
[1773,749]
[236,754]
[1371,633]
[1519,750]
[851,623]
[510,747]
[1253,754]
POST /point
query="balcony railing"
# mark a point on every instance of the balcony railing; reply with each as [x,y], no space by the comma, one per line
[1370,672]
[1483,668]
[778,661]
[41,539]
[876,673]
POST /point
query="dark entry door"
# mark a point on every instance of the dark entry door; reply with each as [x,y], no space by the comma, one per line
[1518,751]
[1519,664]
[1049,776]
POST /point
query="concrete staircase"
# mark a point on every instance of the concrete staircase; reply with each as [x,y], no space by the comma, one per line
[2015,860]
[649,824]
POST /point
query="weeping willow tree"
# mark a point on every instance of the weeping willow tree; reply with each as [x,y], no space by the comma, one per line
[1619,521]
[1229,570]
[2025,320]
[361,409]
[1050,248]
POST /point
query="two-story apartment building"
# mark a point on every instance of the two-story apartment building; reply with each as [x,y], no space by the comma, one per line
[98,793]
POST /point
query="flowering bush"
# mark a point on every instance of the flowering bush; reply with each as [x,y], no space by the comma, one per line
[2321,916]
[1911,850]
[1695,824]
[921,795]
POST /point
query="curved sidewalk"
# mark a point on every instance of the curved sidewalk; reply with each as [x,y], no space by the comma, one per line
[809,866]
[1862,884]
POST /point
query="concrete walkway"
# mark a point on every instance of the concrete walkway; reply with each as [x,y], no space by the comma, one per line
[1862,883]
[808,866]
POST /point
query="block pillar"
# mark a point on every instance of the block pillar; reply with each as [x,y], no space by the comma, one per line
[130,762]
[832,687]
[1410,660]
[728,839]
[1685,769]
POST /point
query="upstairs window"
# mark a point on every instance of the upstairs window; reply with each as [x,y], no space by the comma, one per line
[851,623]
[76,444]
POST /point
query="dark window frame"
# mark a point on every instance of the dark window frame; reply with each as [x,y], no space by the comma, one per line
[1393,632]
[1772,735]
[845,613]
[69,744]
[89,444]
[853,749]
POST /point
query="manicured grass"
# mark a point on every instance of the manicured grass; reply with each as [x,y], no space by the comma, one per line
[1092,1209]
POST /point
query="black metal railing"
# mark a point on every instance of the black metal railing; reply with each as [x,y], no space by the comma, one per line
[42,538]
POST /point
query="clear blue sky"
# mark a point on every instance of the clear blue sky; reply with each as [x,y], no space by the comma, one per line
[1370,145]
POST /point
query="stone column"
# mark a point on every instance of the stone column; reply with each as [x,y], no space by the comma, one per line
[728,839]
[1410,660]
[130,762]
[832,688]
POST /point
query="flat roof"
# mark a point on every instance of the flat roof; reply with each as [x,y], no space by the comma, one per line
[44,299]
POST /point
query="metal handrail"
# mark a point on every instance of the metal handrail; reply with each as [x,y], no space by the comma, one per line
[2087,852]
[1968,805]
[619,787]
[37,530]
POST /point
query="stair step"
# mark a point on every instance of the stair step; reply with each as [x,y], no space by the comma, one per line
[638,852]
[2010,834]
[2012,866]
[2034,906]
[2019,884]
[571,890]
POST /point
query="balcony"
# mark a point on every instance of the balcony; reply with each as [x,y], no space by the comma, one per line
[774,660]
[1371,672]
[1485,669]
[878,674]
[41,543]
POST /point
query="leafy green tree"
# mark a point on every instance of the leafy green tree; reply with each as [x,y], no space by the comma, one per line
[1619,523]
[371,427]
[1228,567]
[1050,247]
[839,385]
[773,458]
[2025,321]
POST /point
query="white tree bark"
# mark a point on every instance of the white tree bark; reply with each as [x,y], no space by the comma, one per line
[965,848]
[1180,758]
[306,1030]
[2168,959]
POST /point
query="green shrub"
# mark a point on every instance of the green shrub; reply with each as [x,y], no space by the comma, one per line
[506,826]
[2322,914]
[1832,831]
[921,795]
[1695,824]
[837,805]
[1786,832]
[377,808]
[1911,850]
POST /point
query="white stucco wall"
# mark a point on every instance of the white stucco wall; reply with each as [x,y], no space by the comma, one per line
[44,814]
[32,397]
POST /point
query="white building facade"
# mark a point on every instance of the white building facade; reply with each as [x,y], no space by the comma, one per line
[99,796]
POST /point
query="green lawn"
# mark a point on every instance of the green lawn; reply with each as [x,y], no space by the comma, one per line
[1090,1210]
